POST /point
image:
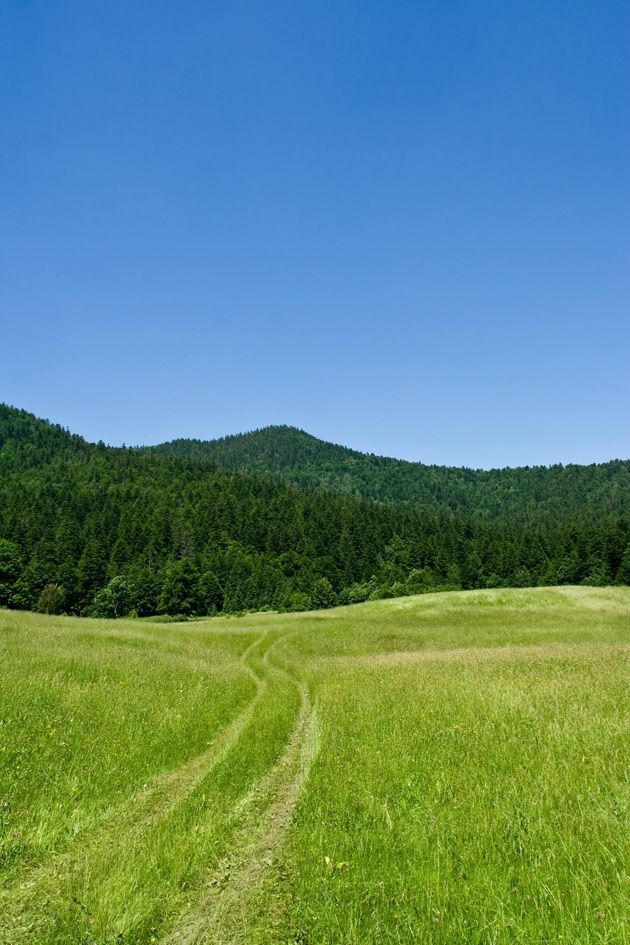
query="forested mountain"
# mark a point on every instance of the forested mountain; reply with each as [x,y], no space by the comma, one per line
[278,519]
[546,494]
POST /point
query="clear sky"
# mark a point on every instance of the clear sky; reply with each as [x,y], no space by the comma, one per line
[402,226]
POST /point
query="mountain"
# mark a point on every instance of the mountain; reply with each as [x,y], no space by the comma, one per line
[546,493]
[281,520]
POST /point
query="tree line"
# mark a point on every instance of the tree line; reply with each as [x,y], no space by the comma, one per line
[102,531]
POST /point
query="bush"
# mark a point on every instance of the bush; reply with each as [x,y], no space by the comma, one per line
[51,600]
[322,595]
[117,599]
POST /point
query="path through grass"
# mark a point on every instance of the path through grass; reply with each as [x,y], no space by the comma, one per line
[449,768]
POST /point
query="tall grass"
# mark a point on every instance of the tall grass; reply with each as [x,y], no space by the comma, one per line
[470,785]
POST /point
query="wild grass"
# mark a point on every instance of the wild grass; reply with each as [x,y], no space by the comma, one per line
[443,769]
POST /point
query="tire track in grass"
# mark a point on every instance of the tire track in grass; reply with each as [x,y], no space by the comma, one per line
[220,914]
[145,809]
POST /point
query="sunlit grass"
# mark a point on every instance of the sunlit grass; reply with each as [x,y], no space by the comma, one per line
[91,711]
[471,781]
[472,800]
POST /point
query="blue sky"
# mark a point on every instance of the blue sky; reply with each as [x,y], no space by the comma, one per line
[402,226]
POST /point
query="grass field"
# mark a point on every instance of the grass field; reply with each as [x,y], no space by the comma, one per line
[451,768]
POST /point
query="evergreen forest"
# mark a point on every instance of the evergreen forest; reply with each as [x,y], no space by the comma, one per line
[279,520]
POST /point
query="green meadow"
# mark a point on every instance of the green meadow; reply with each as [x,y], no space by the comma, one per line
[450,768]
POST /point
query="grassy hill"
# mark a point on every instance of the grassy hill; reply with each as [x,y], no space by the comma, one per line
[437,769]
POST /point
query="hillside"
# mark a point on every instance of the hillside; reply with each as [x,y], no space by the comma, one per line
[548,493]
[87,528]
[436,769]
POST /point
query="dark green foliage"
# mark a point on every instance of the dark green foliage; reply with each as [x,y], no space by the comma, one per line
[180,589]
[10,570]
[51,600]
[117,599]
[278,519]
[322,595]
[546,493]
[623,571]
